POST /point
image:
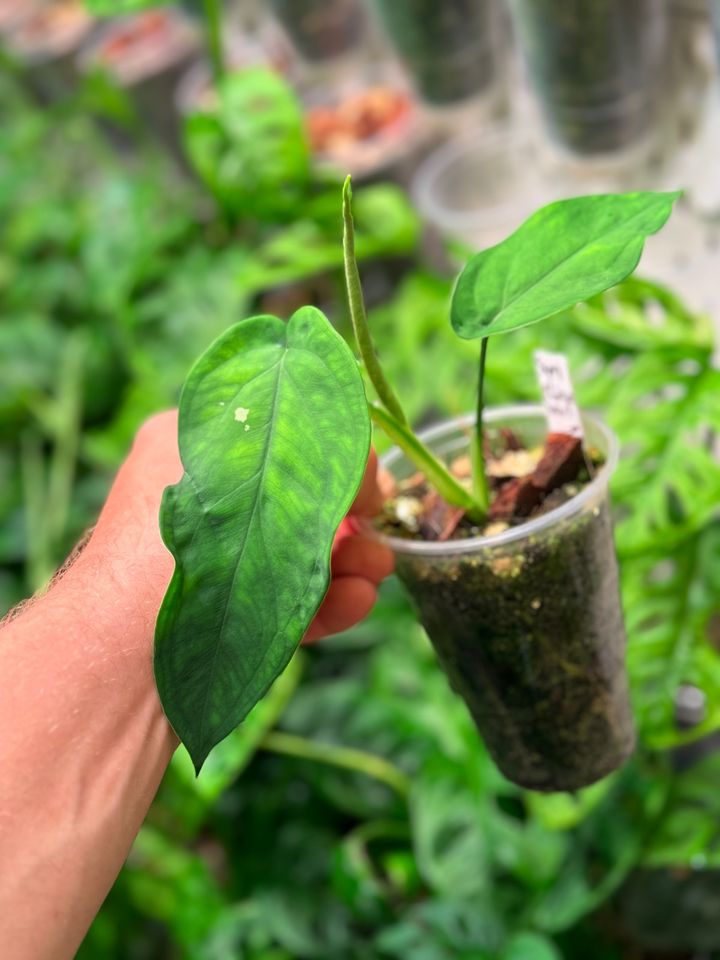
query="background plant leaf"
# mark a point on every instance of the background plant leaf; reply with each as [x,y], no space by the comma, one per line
[566,252]
[530,946]
[251,150]
[672,602]
[114,8]
[274,436]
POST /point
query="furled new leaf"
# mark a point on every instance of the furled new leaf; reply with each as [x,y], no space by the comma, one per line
[274,436]
[566,252]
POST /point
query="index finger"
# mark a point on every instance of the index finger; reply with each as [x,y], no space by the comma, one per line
[369,500]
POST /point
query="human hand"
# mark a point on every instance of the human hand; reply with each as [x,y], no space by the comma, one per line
[359,565]
[127,541]
[84,734]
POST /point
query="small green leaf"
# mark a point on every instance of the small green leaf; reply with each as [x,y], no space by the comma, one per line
[274,437]
[566,252]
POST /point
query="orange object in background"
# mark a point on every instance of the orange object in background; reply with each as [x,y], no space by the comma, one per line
[359,117]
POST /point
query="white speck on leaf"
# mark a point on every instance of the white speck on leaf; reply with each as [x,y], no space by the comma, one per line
[247,427]
[241,414]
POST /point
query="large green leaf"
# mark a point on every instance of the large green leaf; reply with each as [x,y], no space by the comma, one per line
[230,758]
[566,252]
[274,436]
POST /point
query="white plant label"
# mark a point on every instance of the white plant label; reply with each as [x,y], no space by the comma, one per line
[561,409]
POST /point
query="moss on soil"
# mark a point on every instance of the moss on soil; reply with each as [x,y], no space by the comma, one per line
[532,638]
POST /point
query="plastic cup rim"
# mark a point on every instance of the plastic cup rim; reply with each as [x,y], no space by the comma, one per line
[492,142]
[524,530]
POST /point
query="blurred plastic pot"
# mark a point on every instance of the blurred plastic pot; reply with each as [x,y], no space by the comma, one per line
[593,67]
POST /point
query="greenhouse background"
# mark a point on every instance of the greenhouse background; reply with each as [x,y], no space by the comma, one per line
[166,171]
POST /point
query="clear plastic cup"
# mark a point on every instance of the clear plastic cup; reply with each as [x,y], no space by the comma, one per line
[715,10]
[447,48]
[528,623]
[594,67]
[480,187]
[319,30]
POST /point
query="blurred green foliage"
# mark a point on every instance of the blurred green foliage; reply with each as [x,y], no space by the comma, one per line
[356,814]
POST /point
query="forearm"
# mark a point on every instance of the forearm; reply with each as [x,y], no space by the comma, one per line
[83,739]
[87,743]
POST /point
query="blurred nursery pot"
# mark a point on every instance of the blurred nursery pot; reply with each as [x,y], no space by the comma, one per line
[146,54]
[527,622]
[46,41]
[372,126]
[321,31]
[594,67]
[13,13]
[447,48]
[197,88]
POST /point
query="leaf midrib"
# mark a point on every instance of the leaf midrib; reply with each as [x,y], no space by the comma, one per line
[528,290]
[241,554]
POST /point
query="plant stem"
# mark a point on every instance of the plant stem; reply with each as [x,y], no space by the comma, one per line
[436,473]
[477,451]
[48,493]
[358,314]
[66,438]
[346,757]
[38,564]
[213,29]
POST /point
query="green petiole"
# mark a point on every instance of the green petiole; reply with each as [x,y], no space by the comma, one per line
[436,473]
[213,29]
[348,758]
[390,416]
[477,451]
[358,314]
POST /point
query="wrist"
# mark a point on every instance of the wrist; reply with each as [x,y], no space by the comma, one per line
[88,743]
[115,587]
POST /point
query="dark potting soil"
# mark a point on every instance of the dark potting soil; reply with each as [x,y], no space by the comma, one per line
[446,47]
[533,640]
[523,484]
[531,636]
[591,65]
